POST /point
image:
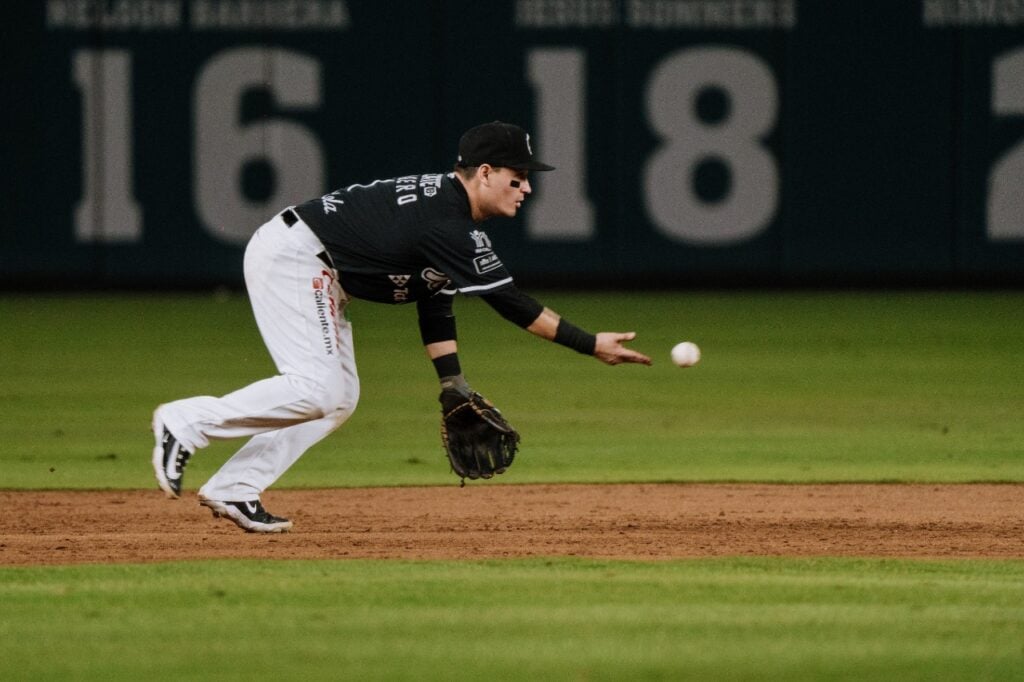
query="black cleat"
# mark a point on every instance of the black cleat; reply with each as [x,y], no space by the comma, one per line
[169,459]
[249,516]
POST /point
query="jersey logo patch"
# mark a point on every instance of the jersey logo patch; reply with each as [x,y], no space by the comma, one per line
[486,263]
[400,280]
[435,279]
[482,241]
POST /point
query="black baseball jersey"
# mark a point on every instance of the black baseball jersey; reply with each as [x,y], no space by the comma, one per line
[406,239]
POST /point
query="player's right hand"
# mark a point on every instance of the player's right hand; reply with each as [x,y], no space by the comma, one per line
[610,350]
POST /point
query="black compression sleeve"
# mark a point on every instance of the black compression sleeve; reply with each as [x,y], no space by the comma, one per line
[515,306]
[437,323]
[571,336]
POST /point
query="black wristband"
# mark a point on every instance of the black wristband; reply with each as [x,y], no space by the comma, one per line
[447,365]
[571,336]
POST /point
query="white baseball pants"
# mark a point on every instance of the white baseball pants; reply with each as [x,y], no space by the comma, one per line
[299,307]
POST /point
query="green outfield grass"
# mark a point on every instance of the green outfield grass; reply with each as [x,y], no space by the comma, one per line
[566,619]
[792,387]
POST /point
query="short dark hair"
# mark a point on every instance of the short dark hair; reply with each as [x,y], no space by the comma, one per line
[467,172]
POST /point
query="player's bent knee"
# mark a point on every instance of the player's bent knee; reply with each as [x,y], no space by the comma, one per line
[341,405]
[325,399]
[340,397]
[339,416]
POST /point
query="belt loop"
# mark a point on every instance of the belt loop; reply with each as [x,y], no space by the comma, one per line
[289,217]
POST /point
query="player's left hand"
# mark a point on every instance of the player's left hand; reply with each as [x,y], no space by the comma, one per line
[478,440]
[610,350]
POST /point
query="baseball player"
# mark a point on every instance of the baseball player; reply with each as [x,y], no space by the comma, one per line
[413,239]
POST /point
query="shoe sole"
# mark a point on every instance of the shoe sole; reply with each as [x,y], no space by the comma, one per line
[223,511]
[158,458]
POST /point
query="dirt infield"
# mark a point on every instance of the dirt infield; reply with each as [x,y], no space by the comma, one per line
[655,521]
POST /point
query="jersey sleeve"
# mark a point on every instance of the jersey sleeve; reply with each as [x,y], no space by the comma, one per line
[514,305]
[464,253]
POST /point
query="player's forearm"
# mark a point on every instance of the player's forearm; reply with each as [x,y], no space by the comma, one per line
[445,358]
[546,324]
[550,325]
[517,307]
[440,341]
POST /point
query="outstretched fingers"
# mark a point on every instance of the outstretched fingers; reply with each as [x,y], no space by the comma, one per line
[611,350]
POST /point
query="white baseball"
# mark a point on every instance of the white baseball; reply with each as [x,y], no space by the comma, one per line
[686,354]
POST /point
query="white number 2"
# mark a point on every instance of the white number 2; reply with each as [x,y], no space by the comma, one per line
[1006,182]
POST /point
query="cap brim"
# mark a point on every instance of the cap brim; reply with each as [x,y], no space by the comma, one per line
[533,166]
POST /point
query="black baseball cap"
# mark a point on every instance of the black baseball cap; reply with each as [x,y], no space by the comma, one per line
[498,144]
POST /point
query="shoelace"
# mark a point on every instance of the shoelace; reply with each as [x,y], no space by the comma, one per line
[181,459]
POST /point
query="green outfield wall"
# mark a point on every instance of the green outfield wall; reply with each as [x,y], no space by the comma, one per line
[696,140]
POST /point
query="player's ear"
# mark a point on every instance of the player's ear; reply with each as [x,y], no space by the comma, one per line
[483,172]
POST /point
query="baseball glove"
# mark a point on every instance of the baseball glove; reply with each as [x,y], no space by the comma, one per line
[478,440]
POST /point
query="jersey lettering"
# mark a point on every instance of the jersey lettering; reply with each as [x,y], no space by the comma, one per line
[406,183]
[331,202]
[430,183]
